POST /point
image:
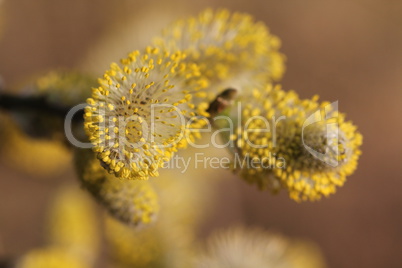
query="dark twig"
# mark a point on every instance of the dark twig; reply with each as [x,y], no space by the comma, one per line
[35,104]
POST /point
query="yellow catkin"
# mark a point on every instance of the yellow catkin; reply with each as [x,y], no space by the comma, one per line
[134,247]
[133,202]
[64,87]
[241,247]
[59,91]
[137,117]
[51,257]
[38,157]
[35,142]
[184,200]
[73,225]
[280,155]
[231,49]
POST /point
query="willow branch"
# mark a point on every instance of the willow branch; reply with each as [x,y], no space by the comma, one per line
[36,105]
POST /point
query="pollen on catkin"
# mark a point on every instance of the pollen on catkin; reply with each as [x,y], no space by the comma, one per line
[134,203]
[240,247]
[139,115]
[231,49]
[303,146]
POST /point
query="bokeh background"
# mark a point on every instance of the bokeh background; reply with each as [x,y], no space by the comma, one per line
[345,50]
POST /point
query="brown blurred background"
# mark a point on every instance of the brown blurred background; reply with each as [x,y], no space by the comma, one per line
[346,50]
